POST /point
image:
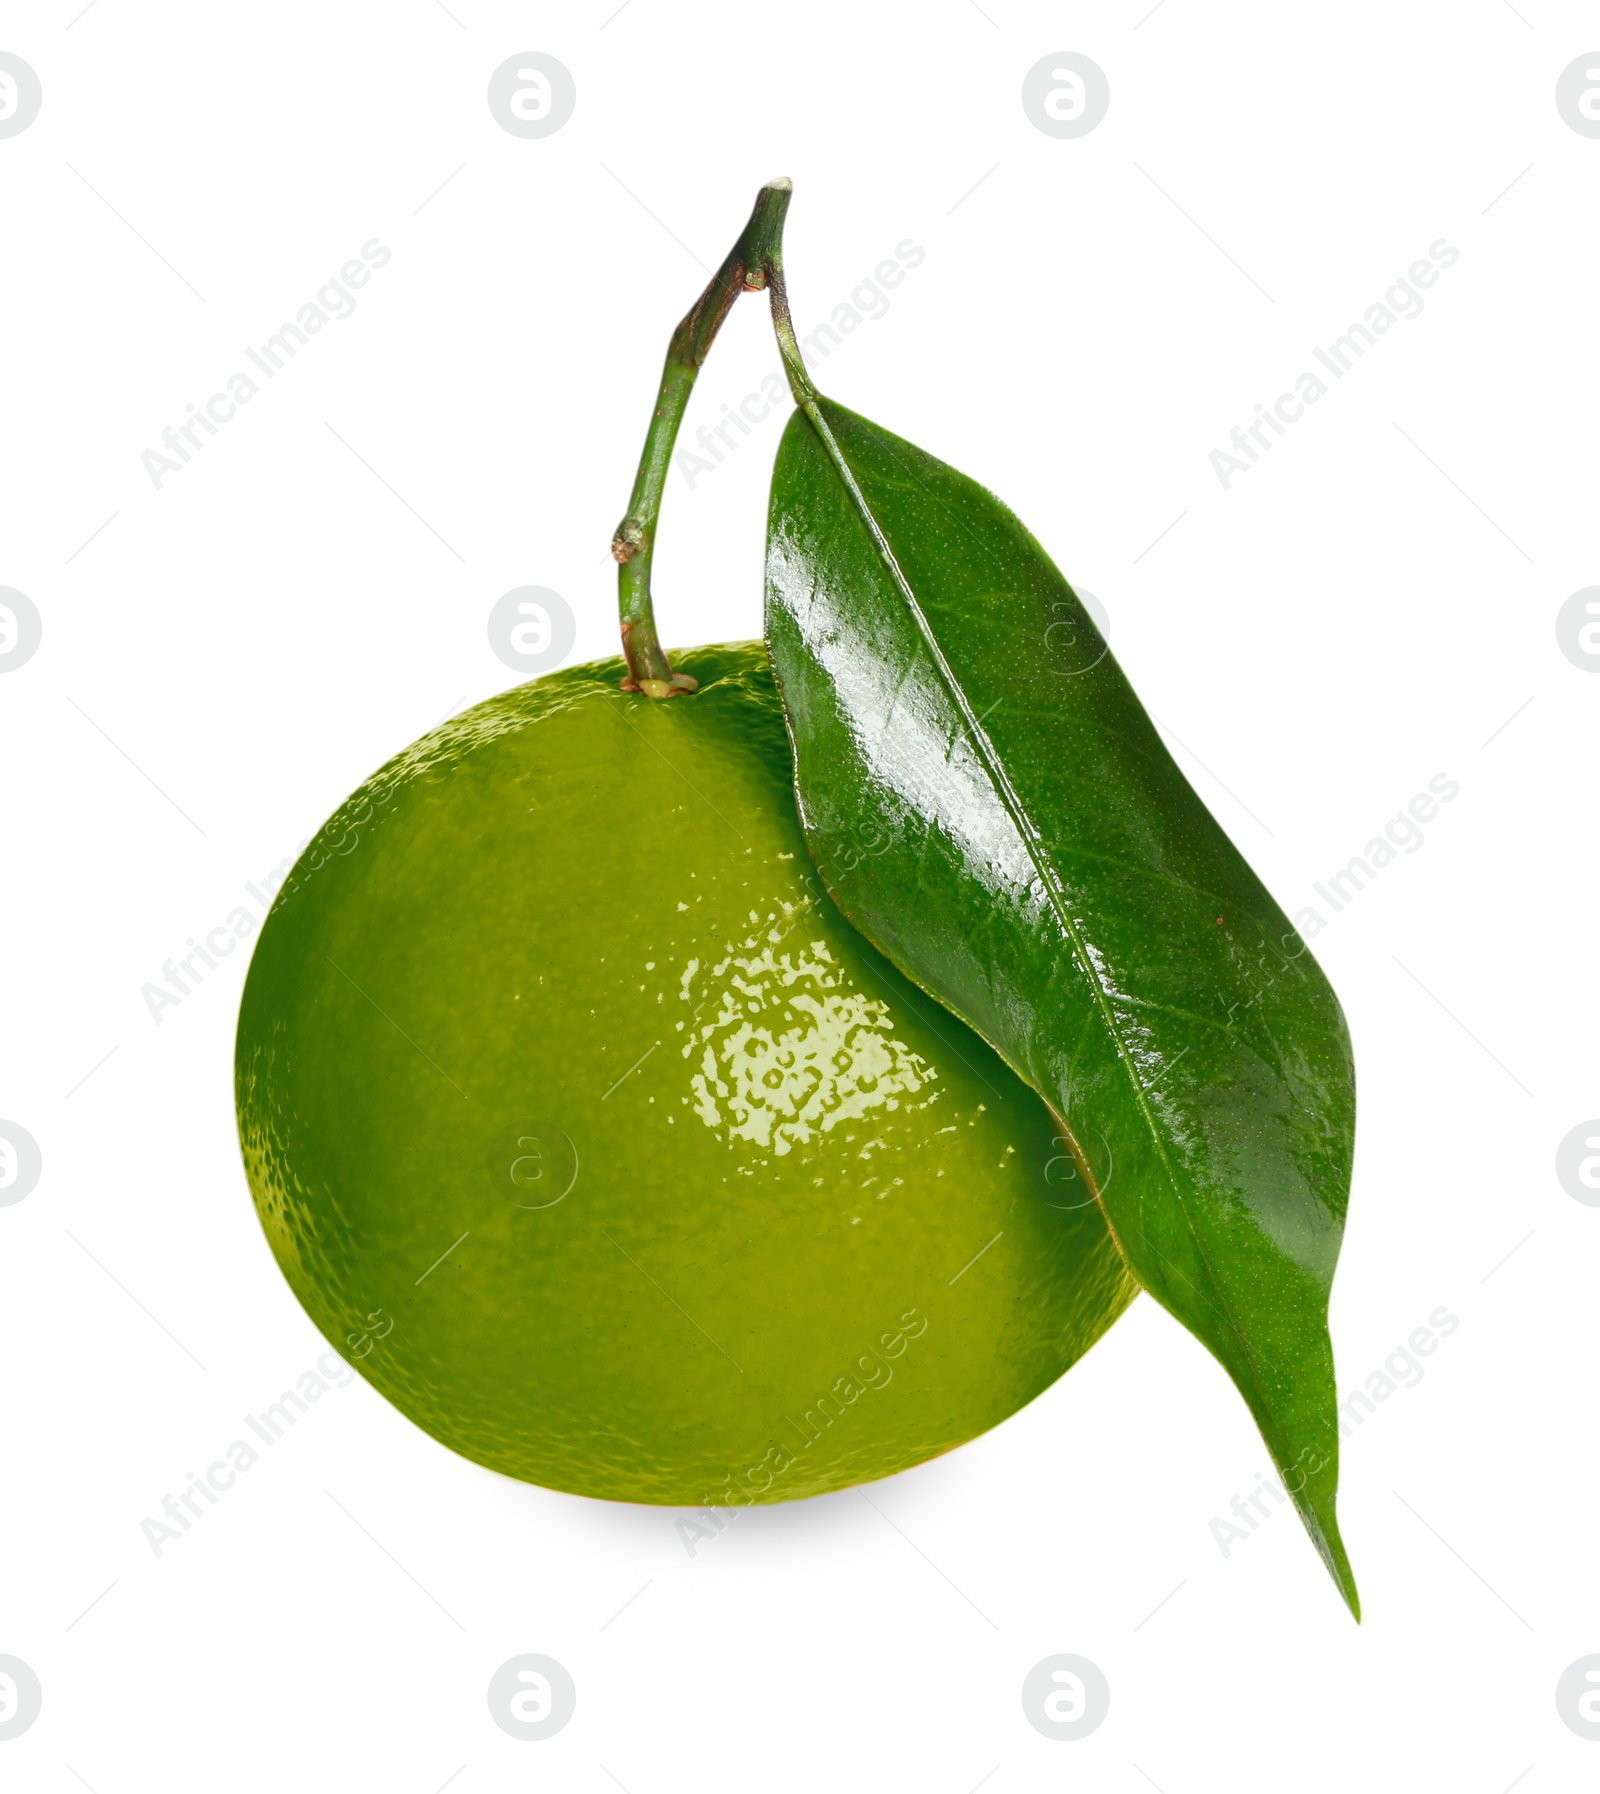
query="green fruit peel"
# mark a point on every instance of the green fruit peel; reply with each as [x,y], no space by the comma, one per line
[661,1183]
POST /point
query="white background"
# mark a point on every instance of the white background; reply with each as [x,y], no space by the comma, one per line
[1093,316]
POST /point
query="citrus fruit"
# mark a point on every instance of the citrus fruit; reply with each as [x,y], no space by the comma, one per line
[582,1123]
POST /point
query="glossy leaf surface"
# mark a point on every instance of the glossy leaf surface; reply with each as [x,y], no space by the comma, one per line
[989,803]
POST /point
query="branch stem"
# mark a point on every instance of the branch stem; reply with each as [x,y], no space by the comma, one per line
[755,262]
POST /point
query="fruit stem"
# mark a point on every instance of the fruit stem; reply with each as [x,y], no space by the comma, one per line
[755,262]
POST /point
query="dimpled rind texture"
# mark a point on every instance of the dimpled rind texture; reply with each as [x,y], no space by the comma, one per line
[598,1141]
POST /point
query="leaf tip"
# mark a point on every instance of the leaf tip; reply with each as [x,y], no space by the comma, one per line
[1324,1530]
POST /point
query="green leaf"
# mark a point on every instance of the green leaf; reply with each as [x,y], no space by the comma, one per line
[988,802]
